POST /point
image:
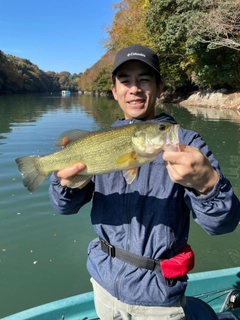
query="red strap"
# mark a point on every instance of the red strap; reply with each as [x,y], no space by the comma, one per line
[179,265]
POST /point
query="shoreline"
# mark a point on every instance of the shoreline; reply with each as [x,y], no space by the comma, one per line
[220,99]
[215,99]
[214,105]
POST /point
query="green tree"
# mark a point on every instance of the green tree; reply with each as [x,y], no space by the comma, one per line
[168,23]
[216,26]
[176,26]
[19,75]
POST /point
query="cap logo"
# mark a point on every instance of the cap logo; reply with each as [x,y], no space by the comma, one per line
[136,54]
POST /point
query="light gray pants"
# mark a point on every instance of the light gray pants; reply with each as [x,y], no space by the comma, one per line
[109,308]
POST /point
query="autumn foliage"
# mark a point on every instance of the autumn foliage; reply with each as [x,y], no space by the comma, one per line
[183,33]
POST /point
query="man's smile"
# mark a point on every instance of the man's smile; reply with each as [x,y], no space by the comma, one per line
[138,102]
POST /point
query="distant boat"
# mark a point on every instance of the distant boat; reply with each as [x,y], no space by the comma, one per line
[66,93]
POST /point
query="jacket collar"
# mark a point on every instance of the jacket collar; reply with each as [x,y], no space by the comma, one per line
[162,117]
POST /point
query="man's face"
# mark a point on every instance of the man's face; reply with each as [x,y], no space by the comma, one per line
[136,90]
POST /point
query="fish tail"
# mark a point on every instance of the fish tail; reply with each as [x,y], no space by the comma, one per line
[31,172]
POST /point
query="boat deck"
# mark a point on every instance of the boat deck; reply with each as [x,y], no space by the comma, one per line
[216,288]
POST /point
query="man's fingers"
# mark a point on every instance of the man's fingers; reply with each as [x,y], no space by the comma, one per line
[70,171]
[180,157]
[189,149]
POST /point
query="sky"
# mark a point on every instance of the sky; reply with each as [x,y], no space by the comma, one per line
[56,35]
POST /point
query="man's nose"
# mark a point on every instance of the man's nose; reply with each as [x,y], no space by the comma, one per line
[135,88]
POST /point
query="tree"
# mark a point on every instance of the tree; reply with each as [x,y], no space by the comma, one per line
[216,26]
[221,27]
[98,77]
[128,26]
[168,24]
[176,26]
[19,75]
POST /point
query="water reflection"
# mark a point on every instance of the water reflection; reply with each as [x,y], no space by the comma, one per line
[214,114]
[27,109]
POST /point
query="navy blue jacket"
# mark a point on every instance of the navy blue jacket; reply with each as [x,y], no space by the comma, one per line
[149,217]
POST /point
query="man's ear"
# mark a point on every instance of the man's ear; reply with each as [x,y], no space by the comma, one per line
[160,88]
[113,88]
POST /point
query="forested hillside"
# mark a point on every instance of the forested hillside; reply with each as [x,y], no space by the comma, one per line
[197,41]
[21,76]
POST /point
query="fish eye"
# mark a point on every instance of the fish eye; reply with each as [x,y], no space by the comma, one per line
[162,127]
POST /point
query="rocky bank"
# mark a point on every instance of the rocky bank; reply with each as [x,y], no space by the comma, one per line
[218,99]
[215,105]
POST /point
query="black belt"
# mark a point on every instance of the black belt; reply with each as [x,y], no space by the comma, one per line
[129,257]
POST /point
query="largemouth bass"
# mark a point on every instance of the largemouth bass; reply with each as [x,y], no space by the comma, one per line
[123,148]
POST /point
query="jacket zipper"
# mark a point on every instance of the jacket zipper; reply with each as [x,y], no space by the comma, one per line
[128,213]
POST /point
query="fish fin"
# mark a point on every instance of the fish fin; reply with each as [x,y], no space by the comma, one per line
[65,141]
[31,173]
[78,181]
[69,136]
[127,159]
[130,175]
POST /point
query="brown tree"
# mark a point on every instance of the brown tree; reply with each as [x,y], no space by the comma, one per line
[219,24]
[128,25]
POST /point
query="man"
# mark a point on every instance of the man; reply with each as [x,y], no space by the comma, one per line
[141,223]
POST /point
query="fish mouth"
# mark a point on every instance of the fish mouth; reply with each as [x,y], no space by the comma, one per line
[172,141]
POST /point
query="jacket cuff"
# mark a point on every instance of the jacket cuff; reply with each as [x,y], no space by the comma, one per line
[212,194]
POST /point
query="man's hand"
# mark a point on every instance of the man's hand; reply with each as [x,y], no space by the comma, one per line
[65,174]
[191,169]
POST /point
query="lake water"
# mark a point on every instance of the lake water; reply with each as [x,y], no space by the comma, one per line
[43,254]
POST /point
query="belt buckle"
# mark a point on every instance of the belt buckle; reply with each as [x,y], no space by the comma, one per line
[107,248]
